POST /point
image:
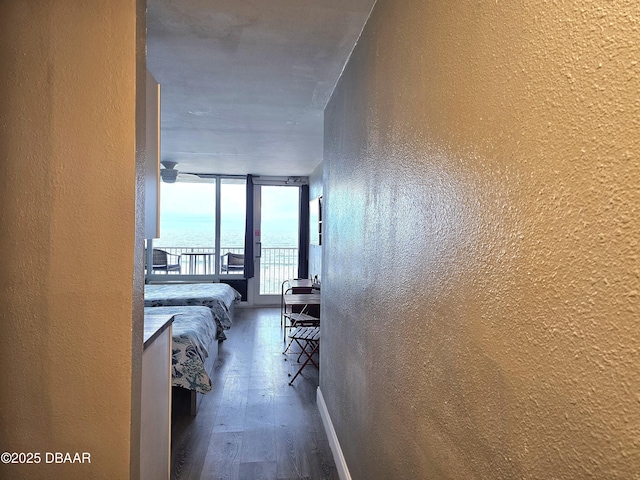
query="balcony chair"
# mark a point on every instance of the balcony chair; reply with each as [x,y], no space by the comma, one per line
[232,263]
[162,261]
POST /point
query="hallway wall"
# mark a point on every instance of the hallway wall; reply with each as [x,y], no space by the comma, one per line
[481,274]
[71,233]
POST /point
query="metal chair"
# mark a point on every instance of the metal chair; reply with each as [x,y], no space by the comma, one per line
[296,314]
[308,339]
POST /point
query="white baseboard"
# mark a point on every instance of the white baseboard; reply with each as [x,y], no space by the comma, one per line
[338,457]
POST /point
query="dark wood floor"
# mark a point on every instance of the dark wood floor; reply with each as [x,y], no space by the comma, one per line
[253,425]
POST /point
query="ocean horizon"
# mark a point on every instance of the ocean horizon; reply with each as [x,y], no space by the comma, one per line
[183,237]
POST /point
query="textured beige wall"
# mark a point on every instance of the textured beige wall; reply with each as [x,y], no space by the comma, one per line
[481,274]
[68,223]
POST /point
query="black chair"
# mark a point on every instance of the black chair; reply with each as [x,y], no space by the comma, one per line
[163,261]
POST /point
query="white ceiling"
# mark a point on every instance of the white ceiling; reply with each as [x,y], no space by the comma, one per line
[244,82]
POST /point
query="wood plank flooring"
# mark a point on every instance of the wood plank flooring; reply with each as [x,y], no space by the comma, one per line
[253,425]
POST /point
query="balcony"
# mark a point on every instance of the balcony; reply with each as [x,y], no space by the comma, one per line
[276,265]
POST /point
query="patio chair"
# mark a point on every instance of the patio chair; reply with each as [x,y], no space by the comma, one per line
[232,263]
[163,261]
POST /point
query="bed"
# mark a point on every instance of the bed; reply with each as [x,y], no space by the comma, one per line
[202,313]
[194,345]
[219,297]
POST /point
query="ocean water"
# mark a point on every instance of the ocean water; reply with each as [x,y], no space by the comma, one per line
[275,265]
[203,237]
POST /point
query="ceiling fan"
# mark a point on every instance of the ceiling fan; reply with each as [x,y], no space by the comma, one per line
[170,174]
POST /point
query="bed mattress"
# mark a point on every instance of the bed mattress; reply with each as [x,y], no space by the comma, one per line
[219,297]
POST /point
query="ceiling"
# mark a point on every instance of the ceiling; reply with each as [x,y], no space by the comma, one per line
[244,82]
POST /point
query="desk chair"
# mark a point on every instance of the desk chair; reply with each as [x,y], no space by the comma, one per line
[292,286]
[302,309]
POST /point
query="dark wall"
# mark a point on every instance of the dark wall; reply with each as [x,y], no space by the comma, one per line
[240,285]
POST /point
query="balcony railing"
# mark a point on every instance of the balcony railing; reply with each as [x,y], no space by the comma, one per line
[276,265]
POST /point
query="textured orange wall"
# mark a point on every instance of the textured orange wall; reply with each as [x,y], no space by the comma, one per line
[481,275]
[67,219]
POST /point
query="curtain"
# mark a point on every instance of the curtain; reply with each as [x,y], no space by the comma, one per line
[303,233]
[248,232]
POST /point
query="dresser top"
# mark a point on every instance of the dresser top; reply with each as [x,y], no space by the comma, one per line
[154,325]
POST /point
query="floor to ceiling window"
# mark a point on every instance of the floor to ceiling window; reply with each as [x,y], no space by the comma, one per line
[202,233]
[202,222]
[233,197]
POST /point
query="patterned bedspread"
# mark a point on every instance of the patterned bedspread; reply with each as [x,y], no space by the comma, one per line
[217,296]
[194,330]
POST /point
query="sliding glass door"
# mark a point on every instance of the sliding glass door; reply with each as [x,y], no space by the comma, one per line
[276,233]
